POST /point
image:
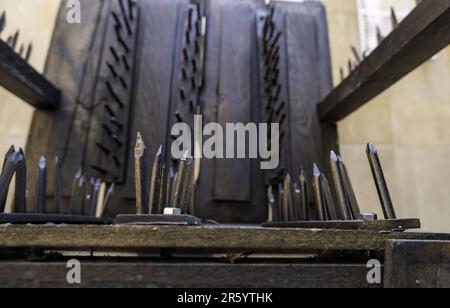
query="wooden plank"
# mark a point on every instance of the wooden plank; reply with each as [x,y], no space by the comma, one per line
[185,275]
[69,66]
[218,82]
[417,264]
[210,238]
[18,77]
[232,180]
[419,37]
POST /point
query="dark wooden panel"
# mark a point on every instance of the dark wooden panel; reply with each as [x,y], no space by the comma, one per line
[419,37]
[152,88]
[17,76]
[184,275]
[225,187]
[232,181]
[213,239]
[69,66]
[417,264]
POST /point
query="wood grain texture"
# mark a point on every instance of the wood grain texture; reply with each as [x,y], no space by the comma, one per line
[418,37]
[225,187]
[68,65]
[185,275]
[417,264]
[230,239]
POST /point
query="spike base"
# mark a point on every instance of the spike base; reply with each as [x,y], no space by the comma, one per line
[377,225]
[158,220]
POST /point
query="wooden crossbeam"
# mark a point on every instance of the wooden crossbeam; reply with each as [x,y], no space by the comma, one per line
[418,38]
[18,77]
[207,238]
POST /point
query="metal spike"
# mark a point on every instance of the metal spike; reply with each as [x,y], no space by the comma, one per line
[180,183]
[107,198]
[21,49]
[15,39]
[344,211]
[271,206]
[94,198]
[141,179]
[59,206]
[351,197]
[2,22]
[394,19]
[318,193]
[100,200]
[328,199]
[304,210]
[356,54]
[42,187]
[10,152]
[162,199]
[20,198]
[288,212]
[29,52]
[75,191]
[380,182]
[155,181]
[380,36]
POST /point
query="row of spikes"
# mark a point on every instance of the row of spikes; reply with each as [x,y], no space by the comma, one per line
[291,201]
[163,191]
[13,40]
[359,57]
[88,199]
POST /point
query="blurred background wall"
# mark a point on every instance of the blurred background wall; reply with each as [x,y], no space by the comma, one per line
[410,123]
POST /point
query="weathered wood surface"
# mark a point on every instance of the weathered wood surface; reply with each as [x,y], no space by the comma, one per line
[377,225]
[419,37]
[417,264]
[230,239]
[185,275]
[18,77]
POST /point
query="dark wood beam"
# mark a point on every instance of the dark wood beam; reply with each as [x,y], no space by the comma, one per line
[110,274]
[18,77]
[417,264]
[418,38]
[208,238]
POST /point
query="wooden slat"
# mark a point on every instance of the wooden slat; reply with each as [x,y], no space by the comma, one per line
[183,275]
[239,239]
[417,264]
[17,76]
[419,37]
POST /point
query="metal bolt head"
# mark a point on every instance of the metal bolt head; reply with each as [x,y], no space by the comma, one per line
[172,211]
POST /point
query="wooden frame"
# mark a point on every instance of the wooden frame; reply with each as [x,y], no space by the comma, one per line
[419,37]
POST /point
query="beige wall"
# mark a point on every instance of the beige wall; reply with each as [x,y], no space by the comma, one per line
[410,123]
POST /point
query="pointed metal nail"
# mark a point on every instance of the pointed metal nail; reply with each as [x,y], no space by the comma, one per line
[271,206]
[2,22]
[288,212]
[304,208]
[318,193]
[42,187]
[356,54]
[59,206]
[20,198]
[394,19]
[181,180]
[141,178]
[344,211]
[75,193]
[350,193]
[380,182]
[155,181]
